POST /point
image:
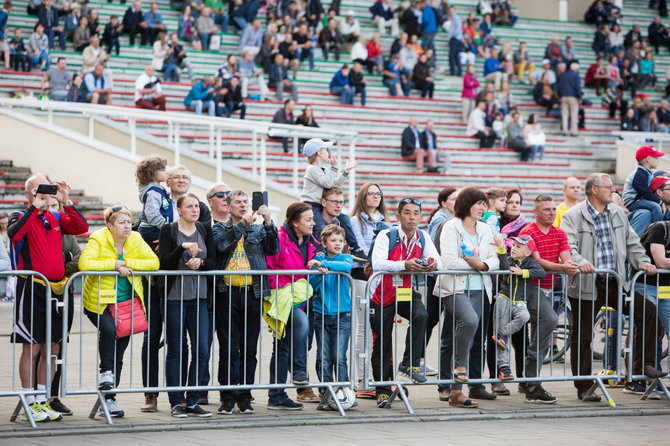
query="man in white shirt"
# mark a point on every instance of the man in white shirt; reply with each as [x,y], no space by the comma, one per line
[477,126]
[148,91]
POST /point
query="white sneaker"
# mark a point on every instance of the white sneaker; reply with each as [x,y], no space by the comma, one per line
[427,370]
[654,395]
[113,408]
[106,380]
[52,414]
[37,413]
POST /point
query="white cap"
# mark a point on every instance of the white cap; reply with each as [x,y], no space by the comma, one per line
[314,145]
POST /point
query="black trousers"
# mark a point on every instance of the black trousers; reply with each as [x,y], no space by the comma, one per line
[381,322]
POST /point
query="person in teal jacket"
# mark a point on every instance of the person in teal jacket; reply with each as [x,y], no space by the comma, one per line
[332,307]
[201,97]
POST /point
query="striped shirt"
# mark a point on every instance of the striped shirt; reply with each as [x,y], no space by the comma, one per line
[549,246]
[604,246]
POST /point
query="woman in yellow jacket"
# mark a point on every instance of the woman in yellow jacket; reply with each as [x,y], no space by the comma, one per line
[114,248]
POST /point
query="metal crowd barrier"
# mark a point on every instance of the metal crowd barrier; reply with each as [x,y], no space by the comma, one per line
[564,335]
[651,288]
[86,379]
[16,389]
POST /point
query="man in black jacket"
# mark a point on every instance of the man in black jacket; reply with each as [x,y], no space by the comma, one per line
[231,99]
[241,245]
[285,116]
[133,23]
[357,81]
[411,149]
[48,17]
[278,79]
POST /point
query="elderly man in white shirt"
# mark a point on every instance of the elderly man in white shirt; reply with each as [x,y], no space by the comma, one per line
[477,126]
[148,92]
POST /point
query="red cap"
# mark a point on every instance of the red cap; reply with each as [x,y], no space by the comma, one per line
[657,182]
[646,151]
[526,240]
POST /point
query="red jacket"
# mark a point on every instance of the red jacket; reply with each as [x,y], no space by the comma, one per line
[374,50]
[289,257]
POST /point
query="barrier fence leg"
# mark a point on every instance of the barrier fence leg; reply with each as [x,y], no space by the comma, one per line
[26,409]
[599,383]
[656,384]
[101,403]
[333,394]
[400,391]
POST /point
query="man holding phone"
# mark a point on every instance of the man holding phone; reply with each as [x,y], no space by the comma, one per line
[241,245]
[36,238]
[399,250]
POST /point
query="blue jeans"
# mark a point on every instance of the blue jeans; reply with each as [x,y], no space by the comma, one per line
[332,342]
[534,150]
[654,208]
[639,220]
[61,38]
[240,22]
[204,39]
[650,292]
[222,19]
[361,90]
[428,41]
[190,315]
[346,94]
[198,105]
[170,70]
[114,44]
[455,47]
[289,353]
[299,53]
[42,57]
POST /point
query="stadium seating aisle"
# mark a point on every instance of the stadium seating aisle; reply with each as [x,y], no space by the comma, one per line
[379,149]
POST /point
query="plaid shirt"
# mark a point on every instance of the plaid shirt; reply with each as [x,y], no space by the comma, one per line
[604,247]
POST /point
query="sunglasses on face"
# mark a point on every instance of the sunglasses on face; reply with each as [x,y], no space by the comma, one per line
[220,194]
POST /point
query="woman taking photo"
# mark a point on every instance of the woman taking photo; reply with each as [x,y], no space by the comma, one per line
[114,248]
[369,210]
[186,245]
[465,244]
[446,200]
[297,248]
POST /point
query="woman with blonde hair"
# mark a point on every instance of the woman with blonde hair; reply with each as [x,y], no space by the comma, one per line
[114,248]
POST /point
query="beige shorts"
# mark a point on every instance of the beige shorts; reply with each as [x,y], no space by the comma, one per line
[3,46]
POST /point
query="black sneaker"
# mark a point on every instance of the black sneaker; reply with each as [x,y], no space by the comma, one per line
[382,400]
[197,411]
[539,395]
[58,406]
[227,407]
[522,388]
[412,372]
[635,387]
[203,399]
[287,404]
[245,406]
[179,412]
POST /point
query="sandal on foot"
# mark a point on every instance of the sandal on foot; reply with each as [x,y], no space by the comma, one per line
[460,400]
[461,378]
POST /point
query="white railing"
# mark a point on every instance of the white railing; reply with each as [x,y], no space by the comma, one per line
[644,137]
[175,121]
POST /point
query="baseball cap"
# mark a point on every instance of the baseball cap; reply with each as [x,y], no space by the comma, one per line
[545,62]
[658,182]
[525,240]
[646,151]
[314,145]
[350,12]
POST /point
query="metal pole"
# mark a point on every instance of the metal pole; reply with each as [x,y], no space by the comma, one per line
[50,117]
[176,144]
[263,162]
[352,174]
[170,132]
[133,136]
[90,127]
[295,165]
[218,154]
[211,141]
[254,153]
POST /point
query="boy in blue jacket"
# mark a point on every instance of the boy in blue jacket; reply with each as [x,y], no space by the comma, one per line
[332,307]
[636,192]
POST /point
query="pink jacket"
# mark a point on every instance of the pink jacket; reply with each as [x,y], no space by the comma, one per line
[470,84]
[289,257]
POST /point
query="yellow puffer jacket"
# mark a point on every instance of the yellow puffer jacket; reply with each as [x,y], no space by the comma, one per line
[100,255]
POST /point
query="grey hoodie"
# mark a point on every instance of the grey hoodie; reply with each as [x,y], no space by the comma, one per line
[153,204]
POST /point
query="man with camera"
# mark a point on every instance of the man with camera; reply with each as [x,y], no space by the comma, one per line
[37,242]
[241,245]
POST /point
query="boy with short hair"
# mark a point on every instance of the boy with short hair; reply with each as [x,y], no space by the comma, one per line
[511,312]
[636,192]
[318,178]
[112,34]
[332,307]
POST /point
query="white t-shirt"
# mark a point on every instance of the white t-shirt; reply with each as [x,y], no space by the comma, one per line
[141,83]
